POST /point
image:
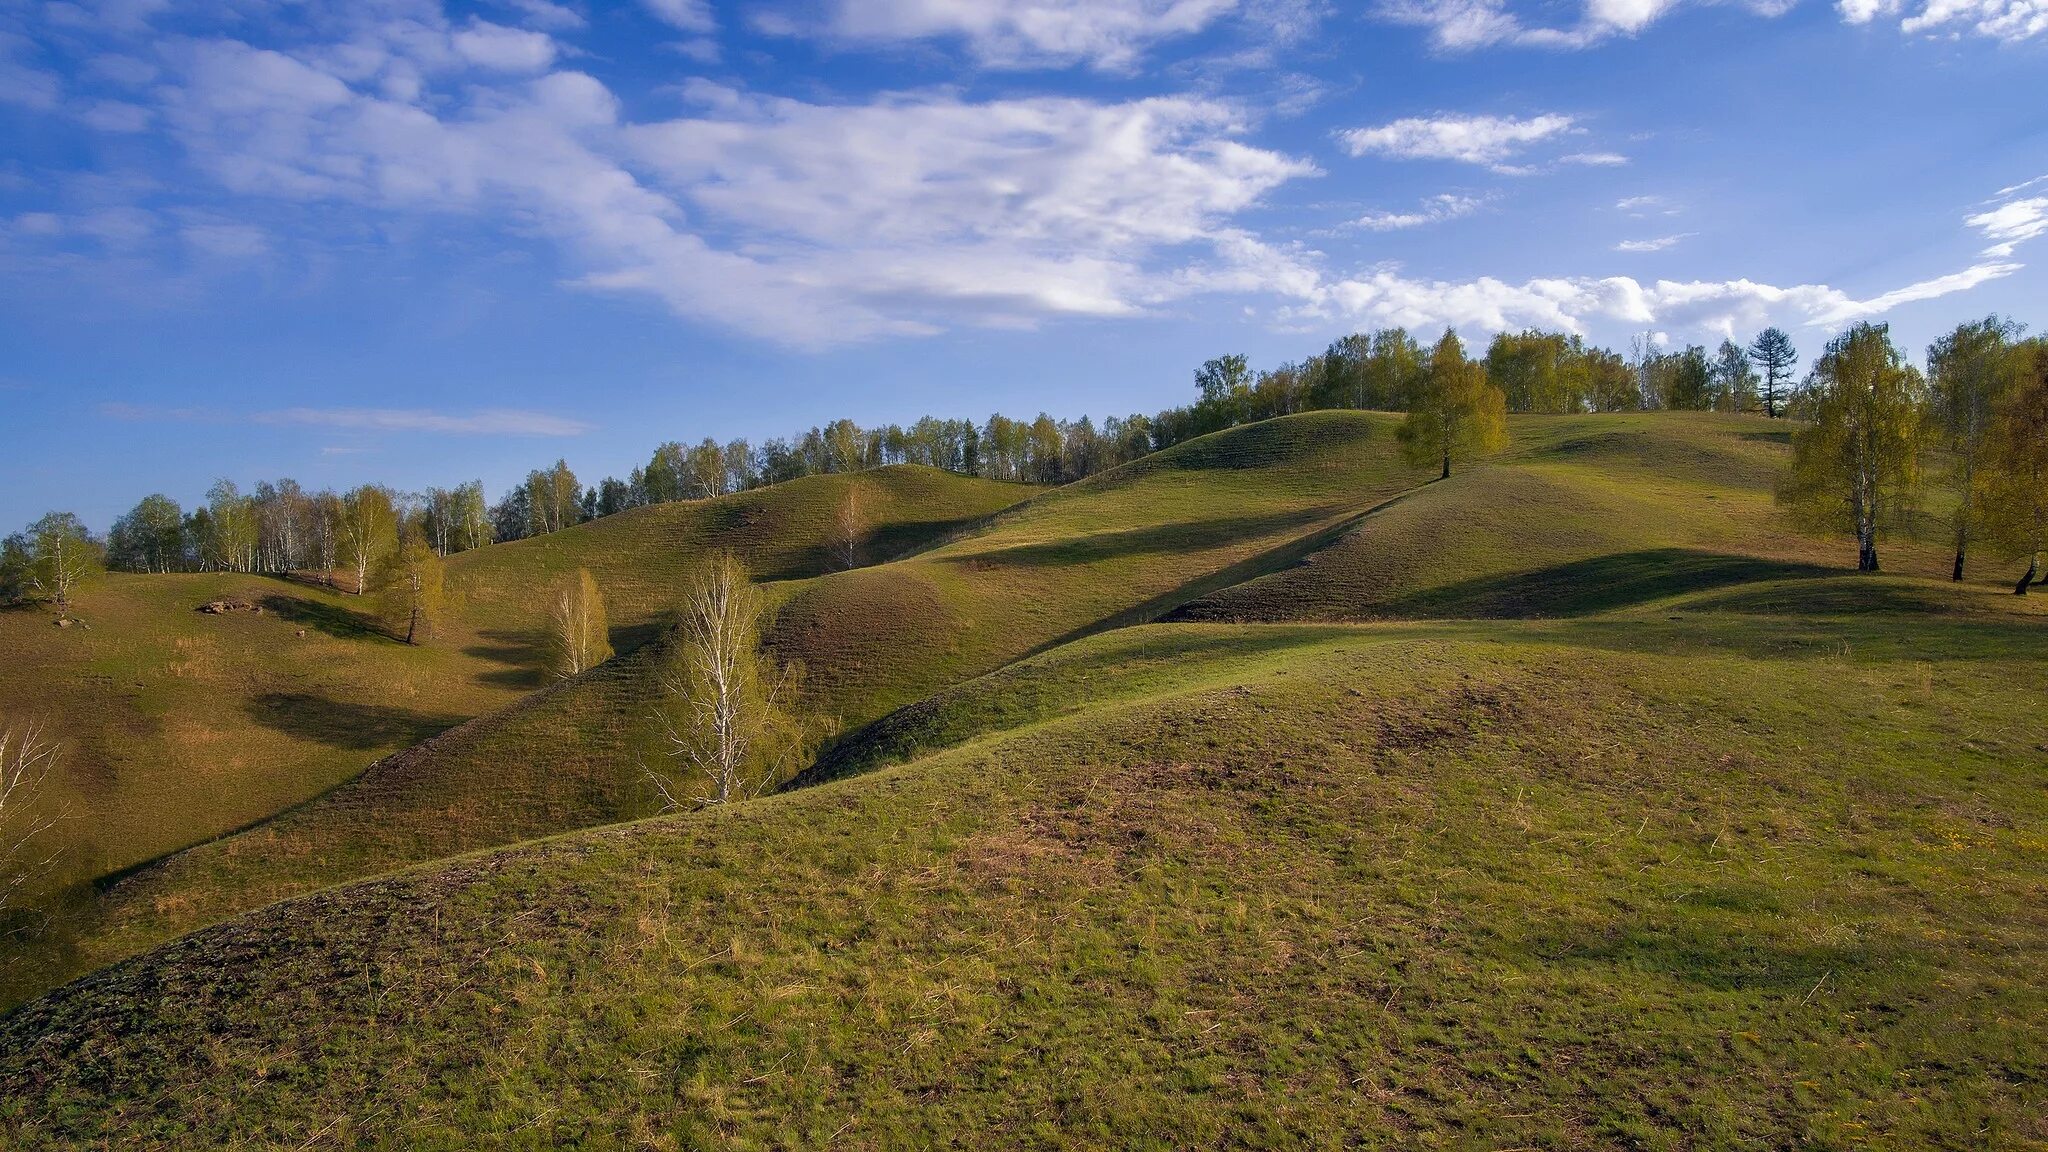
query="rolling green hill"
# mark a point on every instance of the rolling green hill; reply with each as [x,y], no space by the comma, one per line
[180,726]
[1734,879]
[1081,558]
[1576,801]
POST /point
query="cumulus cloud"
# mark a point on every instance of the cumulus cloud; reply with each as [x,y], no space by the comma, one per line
[1107,34]
[1571,304]
[1487,140]
[1433,210]
[810,223]
[2008,20]
[1467,25]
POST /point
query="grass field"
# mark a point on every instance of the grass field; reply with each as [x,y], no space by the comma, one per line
[179,726]
[1574,802]
[1739,878]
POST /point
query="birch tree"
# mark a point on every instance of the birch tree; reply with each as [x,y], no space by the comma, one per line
[410,596]
[1855,467]
[60,555]
[578,637]
[727,725]
[2016,495]
[28,763]
[1969,371]
[1454,413]
[849,528]
[367,530]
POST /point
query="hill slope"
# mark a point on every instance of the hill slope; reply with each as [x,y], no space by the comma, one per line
[1736,878]
[1123,545]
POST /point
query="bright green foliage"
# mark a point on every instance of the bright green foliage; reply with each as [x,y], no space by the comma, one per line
[1856,465]
[2016,497]
[52,559]
[409,591]
[1734,380]
[1455,414]
[366,529]
[1969,373]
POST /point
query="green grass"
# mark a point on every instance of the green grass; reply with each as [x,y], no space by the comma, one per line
[179,726]
[1577,802]
[1584,514]
[1728,880]
[1126,545]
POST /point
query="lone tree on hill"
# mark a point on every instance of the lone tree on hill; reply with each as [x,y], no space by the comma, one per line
[726,725]
[52,559]
[2016,504]
[578,639]
[1969,372]
[1856,465]
[1773,352]
[366,528]
[410,594]
[1454,414]
[28,760]
[849,527]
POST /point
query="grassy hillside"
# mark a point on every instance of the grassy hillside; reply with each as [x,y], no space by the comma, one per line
[1583,514]
[1126,545]
[1740,868]
[1117,549]
[179,726]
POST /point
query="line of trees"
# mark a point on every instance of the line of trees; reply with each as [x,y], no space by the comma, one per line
[281,527]
[1862,461]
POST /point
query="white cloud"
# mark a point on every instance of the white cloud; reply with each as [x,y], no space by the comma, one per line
[1595,159]
[1640,206]
[1489,140]
[2012,224]
[228,241]
[546,15]
[115,116]
[1571,304]
[1434,209]
[685,15]
[504,49]
[808,223]
[2008,20]
[1466,25]
[1658,244]
[1107,34]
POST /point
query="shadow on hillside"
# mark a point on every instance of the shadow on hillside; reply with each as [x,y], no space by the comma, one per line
[333,619]
[517,651]
[1153,539]
[1709,957]
[1599,584]
[343,725]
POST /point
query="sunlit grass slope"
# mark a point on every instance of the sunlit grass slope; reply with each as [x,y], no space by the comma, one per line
[1583,514]
[1122,546]
[179,726]
[1763,874]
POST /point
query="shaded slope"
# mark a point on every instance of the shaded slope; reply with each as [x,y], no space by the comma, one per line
[1586,514]
[1531,884]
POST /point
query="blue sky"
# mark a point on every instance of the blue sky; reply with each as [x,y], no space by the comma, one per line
[420,243]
